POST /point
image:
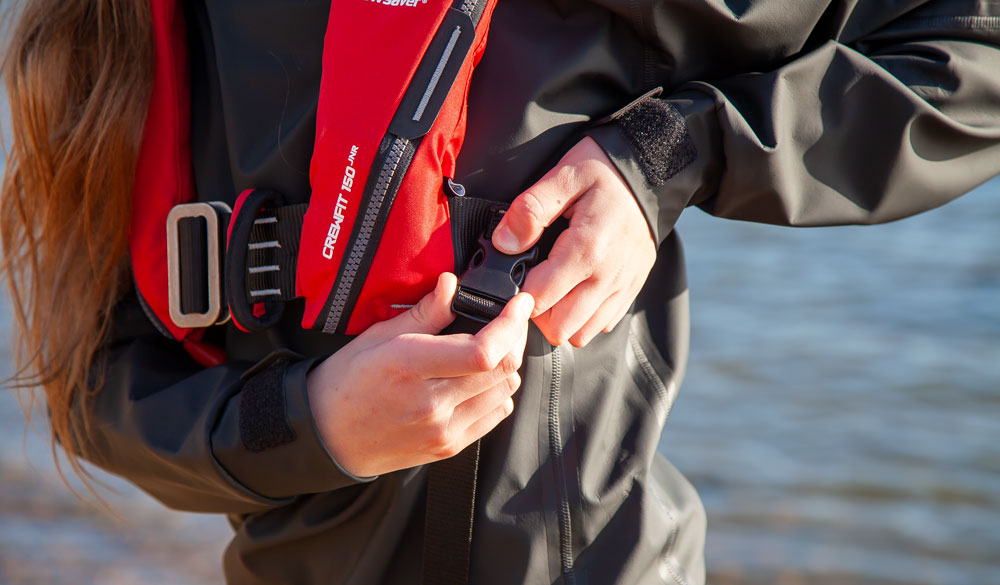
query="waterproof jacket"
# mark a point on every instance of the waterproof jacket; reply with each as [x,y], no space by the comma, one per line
[793,112]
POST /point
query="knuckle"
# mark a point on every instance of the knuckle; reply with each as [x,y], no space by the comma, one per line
[508,365]
[530,207]
[561,334]
[420,312]
[428,410]
[518,358]
[440,442]
[591,251]
[566,177]
[482,357]
[591,167]
[513,383]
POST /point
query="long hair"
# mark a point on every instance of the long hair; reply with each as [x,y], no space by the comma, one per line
[78,74]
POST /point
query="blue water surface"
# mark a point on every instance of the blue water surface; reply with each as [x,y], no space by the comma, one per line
[841,412]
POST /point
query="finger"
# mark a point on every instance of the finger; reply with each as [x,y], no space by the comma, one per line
[575,309]
[450,392]
[487,423]
[604,319]
[450,356]
[619,316]
[503,334]
[429,316]
[480,405]
[575,257]
[626,306]
[535,209]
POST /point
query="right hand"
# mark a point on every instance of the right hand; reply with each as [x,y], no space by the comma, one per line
[398,395]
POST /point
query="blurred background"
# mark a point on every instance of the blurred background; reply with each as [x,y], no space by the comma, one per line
[840,418]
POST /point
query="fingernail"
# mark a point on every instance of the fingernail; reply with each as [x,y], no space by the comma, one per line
[505,241]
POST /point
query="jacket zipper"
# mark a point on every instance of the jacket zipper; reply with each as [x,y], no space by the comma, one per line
[647,369]
[556,452]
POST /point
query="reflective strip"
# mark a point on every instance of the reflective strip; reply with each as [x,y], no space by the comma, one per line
[259,269]
[436,77]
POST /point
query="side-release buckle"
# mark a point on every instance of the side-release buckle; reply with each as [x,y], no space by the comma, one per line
[195,236]
[492,278]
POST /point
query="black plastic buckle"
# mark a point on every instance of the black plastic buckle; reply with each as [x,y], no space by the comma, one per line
[194,264]
[491,280]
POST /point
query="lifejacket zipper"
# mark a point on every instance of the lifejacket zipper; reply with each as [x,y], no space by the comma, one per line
[556,452]
[361,250]
[468,6]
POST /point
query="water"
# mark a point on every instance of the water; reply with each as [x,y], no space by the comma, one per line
[842,408]
[840,418]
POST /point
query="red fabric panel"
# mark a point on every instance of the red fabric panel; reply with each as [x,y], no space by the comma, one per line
[370,53]
[204,353]
[416,245]
[163,177]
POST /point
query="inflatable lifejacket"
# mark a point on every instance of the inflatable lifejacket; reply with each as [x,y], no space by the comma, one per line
[383,221]
[378,228]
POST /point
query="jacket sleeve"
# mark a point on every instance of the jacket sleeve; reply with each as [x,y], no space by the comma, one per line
[227,439]
[866,127]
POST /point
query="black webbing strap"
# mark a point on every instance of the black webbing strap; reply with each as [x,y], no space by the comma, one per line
[484,288]
[451,504]
[272,253]
[470,218]
[193,252]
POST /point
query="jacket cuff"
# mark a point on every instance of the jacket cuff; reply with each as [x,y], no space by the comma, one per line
[662,148]
[275,449]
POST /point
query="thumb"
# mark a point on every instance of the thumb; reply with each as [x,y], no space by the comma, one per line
[431,314]
[534,210]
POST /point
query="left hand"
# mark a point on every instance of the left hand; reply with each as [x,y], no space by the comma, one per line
[598,265]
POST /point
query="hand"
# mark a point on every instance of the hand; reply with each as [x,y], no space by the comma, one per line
[398,395]
[598,265]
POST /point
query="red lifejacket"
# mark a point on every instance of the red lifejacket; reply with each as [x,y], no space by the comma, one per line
[395,80]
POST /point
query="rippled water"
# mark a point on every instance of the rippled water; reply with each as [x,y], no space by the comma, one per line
[841,414]
[840,417]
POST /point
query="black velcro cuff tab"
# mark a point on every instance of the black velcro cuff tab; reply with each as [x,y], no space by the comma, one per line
[656,130]
[263,416]
[658,135]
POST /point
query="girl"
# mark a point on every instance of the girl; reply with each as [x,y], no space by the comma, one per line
[799,112]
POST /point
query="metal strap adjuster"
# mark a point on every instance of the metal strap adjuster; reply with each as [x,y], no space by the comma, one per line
[194,266]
